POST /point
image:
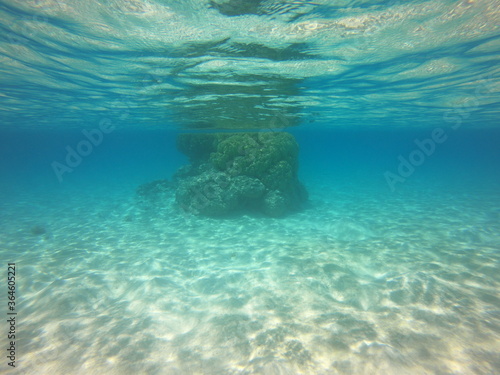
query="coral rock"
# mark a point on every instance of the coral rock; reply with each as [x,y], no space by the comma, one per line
[236,172]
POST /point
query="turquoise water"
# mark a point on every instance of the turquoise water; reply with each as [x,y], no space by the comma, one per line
[391,266]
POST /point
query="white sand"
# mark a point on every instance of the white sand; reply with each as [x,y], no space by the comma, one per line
[362,282]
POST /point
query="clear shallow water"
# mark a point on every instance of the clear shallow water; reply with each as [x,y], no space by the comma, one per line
[379,274]
[363,281]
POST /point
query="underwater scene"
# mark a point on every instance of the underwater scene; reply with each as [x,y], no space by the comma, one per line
[237,187]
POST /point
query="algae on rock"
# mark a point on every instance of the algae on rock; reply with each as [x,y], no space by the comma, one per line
[233,172]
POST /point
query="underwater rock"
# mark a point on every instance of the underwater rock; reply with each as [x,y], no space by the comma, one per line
[38,230]
[247,188]
[214,193]
[239,171]
[267,156]
[196,147]
[207,194]
[190,170]
[274,204]
[154,191]
[346,229]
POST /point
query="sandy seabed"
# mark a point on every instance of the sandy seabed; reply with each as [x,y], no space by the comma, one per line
[360,282]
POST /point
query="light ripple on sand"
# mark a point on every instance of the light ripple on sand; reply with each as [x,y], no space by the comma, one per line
[358,283]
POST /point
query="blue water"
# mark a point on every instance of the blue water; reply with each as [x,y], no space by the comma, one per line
[390,267]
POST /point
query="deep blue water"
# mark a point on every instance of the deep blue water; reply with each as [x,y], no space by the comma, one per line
[391,266]
[467,159]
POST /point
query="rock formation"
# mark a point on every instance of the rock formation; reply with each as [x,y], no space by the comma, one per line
[238,172]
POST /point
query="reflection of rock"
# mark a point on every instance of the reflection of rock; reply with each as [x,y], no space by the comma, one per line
[236,8]
[234,172]
[285,10]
